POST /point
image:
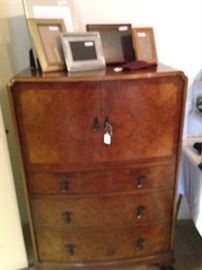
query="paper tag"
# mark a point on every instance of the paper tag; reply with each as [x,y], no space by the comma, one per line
[107,138]
[88,43]
[123,28]
[141,34]
[53,28]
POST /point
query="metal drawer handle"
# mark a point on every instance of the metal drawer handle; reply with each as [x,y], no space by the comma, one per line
[70,249]
[111,251]
[64,185]
[67,217]
[108,130]
[140,212]
[139,243]
[96,124]
[140,180]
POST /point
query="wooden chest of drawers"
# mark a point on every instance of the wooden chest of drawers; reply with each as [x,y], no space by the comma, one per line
[96,204]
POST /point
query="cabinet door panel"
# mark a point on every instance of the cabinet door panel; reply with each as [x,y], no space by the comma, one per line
[56,124]
[145,116]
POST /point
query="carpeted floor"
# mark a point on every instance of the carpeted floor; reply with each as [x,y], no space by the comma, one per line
[188,248]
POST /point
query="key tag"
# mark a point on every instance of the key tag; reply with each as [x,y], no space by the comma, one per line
[107,138]
[108,134]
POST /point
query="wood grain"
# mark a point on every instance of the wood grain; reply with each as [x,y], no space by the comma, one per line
[91,219]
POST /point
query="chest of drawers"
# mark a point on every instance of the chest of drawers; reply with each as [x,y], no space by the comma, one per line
[97,204]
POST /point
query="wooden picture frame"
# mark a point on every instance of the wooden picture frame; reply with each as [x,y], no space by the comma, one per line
[116,41]
[46,40]
[144,44]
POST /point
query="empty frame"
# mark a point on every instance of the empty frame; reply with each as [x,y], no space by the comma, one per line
[116,41]
[46,38]
[83,51]
[144,44]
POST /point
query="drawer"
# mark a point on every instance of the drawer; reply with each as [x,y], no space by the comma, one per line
[97,245]
[119,180]
[98,211]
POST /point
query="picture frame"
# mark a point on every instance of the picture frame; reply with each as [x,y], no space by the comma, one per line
[83,51]
[144,44]
[54,9]
[116,41]
[45,34]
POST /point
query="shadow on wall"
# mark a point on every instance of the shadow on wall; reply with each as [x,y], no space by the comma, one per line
[15,55]
[19,43]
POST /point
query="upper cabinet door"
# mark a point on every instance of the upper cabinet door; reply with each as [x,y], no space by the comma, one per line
[145,118]
[59,124]
[79,125]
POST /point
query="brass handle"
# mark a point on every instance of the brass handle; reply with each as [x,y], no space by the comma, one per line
[64,185]
[140,212]
[111,251]
[106,120]
[67,217]
[70,249]
[107,138]
[139,243]
[108,126]
[96,125]
[140,180]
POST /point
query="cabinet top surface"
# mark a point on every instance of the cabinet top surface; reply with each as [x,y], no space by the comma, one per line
[31,75]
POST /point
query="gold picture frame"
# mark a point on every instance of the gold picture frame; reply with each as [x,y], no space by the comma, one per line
[144,44]
[45,34]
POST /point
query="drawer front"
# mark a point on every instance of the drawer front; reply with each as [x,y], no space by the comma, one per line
[116,210]
[96,245]
[119,180]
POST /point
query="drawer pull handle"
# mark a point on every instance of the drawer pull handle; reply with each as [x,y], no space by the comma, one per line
[70,249]
[139,243]
[111,251]
[140,181]
[96,125]
[67,217]
[108,130]
[140,212]
[64,186]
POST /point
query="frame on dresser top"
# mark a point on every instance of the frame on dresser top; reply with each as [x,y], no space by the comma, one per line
[144,44]
[46,38]
[116,41]
[83,51]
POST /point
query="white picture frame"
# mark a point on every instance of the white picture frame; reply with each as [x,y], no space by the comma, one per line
[53,9]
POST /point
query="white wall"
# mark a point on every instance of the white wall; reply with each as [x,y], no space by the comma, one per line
[13,42]
[177,27]
[12,249]
[14,47]
[178,34]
